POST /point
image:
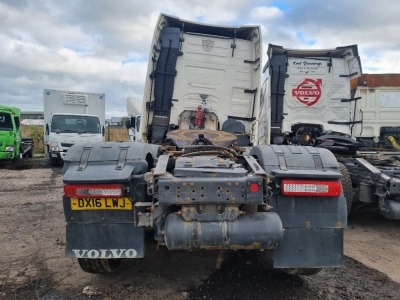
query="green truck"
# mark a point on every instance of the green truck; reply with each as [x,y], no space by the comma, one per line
[12,145]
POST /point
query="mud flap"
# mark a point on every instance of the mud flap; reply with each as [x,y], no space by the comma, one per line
[310,248]
[313,236]
[104,240]
[108,162]
[313,226]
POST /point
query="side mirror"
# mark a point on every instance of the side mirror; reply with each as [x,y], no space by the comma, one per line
[130,123]
[47,129]
[138,122]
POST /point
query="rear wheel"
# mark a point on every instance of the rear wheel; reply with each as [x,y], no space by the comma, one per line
[302,271]
[347,186]
[99,265]
[30,153]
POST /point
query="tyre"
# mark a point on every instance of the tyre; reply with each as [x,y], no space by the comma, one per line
[347,186]
[29,154]
[99,266]
[53,161]
[16,161]
[302,271]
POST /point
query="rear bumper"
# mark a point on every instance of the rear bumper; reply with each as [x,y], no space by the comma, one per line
[300,237]
[204,211]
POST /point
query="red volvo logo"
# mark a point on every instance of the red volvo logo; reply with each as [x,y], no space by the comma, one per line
[308,91]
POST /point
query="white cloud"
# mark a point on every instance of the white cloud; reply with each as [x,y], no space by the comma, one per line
[103,46]
[264,13]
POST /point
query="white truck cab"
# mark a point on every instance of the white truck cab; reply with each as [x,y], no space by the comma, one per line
[70,118]
[378,110]
[306,94]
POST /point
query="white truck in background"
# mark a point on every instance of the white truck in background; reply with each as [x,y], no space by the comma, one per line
[306,94]
[307,100]
[133,107]
[70,118]
[378,109]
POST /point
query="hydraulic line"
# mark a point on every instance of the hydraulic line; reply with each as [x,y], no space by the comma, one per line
[394,143]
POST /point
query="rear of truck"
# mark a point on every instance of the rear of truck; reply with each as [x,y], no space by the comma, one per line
[320,98]
[199,183]
[307,97]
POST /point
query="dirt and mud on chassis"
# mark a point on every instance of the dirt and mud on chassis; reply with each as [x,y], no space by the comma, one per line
[375,180]
[286,199]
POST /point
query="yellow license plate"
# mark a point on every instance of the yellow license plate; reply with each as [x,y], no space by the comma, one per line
[101,204]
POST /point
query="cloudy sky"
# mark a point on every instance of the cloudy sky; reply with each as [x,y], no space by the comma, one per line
[102,46]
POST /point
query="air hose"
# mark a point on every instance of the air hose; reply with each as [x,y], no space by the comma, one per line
[392,140]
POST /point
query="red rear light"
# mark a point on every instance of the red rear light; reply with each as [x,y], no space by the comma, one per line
[254,187]
[97,190]
[294,187]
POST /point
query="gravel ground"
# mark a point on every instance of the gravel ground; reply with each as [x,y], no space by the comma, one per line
[33,264]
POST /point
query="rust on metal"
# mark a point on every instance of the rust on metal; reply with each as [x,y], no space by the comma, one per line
[184,137]
[253,246]
[376,80]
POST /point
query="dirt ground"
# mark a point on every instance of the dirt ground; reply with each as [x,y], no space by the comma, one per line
[33,264]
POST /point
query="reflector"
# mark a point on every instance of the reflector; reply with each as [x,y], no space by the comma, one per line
[254,187]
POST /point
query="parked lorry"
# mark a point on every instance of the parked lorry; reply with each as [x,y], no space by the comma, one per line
[378,109]
[12,145]
[133,107]
[306,94]
[70,118]
[307,100]
[197,181]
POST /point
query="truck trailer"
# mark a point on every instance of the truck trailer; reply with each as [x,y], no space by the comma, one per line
[198,180]
[70,118]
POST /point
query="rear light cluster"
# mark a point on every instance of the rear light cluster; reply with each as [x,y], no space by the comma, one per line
[90,191]
[311,188]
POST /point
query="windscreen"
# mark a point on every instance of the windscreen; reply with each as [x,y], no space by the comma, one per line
[75,124]
[5,122]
